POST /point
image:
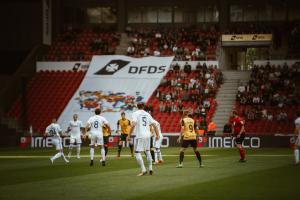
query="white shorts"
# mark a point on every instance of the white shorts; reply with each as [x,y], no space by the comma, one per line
[157,143]
[96,140]
[142,144]
[57,142]
[76,139]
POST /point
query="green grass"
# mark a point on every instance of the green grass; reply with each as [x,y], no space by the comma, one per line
[268,174]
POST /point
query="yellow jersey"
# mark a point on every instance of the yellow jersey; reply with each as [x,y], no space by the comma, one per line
[125,126]
[188,125]
[105,131]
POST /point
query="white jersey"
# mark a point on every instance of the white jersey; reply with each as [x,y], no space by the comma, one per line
[297,125]
[53,130]
[75,127]
[157,124]
[96,123]
[142,119]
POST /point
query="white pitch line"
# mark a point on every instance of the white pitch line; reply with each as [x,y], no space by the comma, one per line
[165,155]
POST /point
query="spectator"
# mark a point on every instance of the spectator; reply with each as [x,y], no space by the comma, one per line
[187,68]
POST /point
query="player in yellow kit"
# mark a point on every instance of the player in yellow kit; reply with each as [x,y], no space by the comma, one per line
[123,127]
[106,134]
[189,138]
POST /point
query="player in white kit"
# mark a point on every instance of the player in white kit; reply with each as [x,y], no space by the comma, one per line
[297,136]
[157,144]
[95,124]
[141,123]
[54,131]
[74,129]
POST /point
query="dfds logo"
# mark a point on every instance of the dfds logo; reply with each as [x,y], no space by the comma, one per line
[112,67]
[115,65]
[146,69]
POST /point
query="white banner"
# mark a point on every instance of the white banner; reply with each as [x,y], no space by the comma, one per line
[47,21]
[115,83]
[59,66]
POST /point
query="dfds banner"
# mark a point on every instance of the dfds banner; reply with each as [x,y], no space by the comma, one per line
[115,83]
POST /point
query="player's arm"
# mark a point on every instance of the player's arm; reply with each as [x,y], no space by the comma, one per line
[154,127]
[181,132]
[86,129]
[133,124]
[118,128]
[108,127]
[242,130]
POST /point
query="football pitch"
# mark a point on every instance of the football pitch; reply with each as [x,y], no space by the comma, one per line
[268,174]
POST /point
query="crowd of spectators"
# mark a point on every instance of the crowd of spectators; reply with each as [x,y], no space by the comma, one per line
[185,43]
[78,45]
[269,92]
[184,88]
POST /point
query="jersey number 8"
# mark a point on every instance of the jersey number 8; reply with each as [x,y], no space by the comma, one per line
[96,124]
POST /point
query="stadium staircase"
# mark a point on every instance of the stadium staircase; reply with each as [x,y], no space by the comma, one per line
[121,49]
[45,97]
[226,96]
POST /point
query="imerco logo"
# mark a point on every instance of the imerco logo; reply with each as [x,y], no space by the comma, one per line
[228,142]
[112,67]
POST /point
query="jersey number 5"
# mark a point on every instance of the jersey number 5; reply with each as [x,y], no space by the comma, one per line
[144,121]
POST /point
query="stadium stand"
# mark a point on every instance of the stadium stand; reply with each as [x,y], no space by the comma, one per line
[268,102]
[183,89]
[81,45]
[184,43]
[45,97]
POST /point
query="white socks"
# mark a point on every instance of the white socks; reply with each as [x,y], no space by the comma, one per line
[59,154]
[70,150]
[92,151]
[149,159]
[140,161]
[78,150]
[296,154]
[159,155]
[103,153]
[156,155]
[64,157]
[56,156]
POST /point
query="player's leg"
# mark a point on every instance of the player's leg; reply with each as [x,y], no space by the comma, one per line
[92,149]
[106,140]
[131,147]
[60,148]
[197,153]
[152,149]
[138,148]
[296,155]
[239,142]
[100,142]
[296,151]
[147,144]
[58,154]
[72,141]
[121,141]
[184,146]
[159,155]
[78,147]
